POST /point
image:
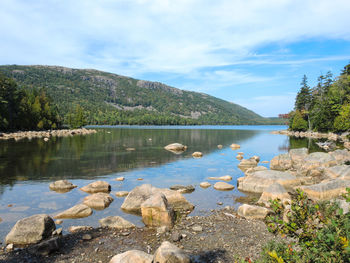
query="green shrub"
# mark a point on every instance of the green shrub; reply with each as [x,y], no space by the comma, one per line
[299,124]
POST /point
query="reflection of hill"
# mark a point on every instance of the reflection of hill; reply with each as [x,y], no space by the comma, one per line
[105,152]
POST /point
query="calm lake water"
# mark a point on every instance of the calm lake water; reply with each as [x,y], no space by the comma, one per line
[28,166]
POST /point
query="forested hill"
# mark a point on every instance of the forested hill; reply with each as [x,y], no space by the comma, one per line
[113,99]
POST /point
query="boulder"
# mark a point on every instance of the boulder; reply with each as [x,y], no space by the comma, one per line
[132,203]
[62,186]
[258,181]
[222,186]
[298,156]
[169,253]
[347,145]
[184,189]
[256,158]
[341,156]
[235,146]
[156,212]
[252,211]
[281,162]
[96,187]
[223,178]
[121,193]
[220,146]
[339,171]
[77,211]
[31,230]
[318,159]
[132,256]
[204,184]
[115,222]
[245,164]
[239,157]
[326,190]
[98,201]
[176,148]
[197,154]
[273,192]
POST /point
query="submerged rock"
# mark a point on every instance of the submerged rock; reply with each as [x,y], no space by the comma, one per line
[223,178]
[62,186]
[77,211]
[235,146]
[197,154]
[184,189]
[121,193]
[96,187]
[204,184]
[31,230]
[222,186]
[176,148]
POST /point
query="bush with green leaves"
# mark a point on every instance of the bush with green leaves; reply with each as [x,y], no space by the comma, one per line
[321,231]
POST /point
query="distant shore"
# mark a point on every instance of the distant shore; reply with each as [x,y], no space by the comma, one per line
[45,134]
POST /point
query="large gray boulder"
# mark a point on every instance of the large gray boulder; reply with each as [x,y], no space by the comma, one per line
[62,186]
[317,160]
[252,211]
[96,187]
[31,230]
[341,156]
[281,162]
[326,190]
[259,181]
[98,201]
[298,156]
[132,203]
[169,253]
[115,222]
[132,256]
[339,171]
[274,191]
[155,211]
[77,211]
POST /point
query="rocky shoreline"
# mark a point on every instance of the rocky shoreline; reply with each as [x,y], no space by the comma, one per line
[330,136]
[224,235]
[45,134]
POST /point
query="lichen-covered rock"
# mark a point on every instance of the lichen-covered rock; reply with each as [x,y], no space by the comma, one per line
[155,211]
[252,211]
[98,201]
[169,253]
[281,162]
[273,192]
[326,190]
[77,211]
[115,222]
[96,187]
[316,160]
[31,230]
[258,181]
[132,256]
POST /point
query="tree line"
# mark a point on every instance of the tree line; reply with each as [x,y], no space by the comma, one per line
[325,107]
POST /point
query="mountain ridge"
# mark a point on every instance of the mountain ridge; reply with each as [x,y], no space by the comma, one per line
[109,98]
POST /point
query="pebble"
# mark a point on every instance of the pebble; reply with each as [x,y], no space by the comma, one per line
[219,203]
[125,234]
[120,178]
[9,247]
[58,222]
[197,228]
[87,237]
[176,236]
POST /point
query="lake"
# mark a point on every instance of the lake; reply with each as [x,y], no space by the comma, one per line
[28,166]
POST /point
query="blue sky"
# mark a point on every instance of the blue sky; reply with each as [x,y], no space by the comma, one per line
[250,52]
